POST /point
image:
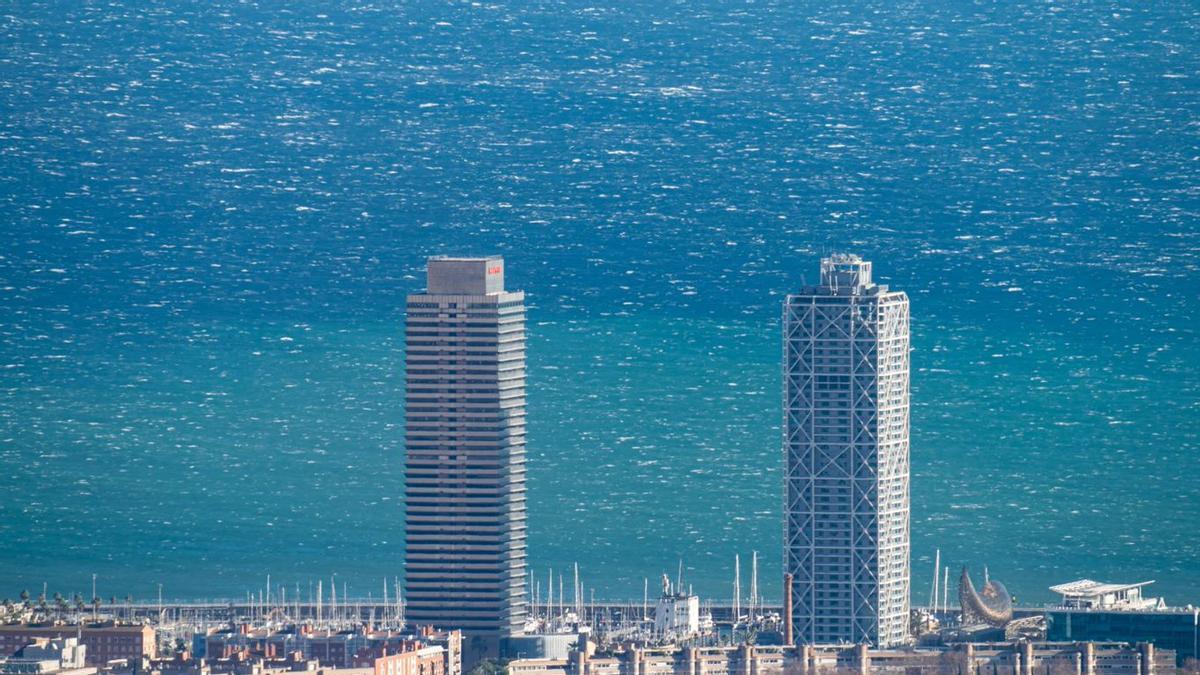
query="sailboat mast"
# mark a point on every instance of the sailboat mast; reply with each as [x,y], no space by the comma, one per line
[753,583]
[937,573]
[946,589]
[737,587]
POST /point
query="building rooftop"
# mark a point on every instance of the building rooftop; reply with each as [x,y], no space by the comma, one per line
[845,270]
[1092,595]
[845,274]
[465,276]
[85,627]
[1086,588]
[466,258]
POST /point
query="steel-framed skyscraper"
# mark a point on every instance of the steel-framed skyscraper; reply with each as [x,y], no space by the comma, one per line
[846,447]
[465,452]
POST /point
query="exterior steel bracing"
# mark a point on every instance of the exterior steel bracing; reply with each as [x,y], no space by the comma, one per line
[846,401]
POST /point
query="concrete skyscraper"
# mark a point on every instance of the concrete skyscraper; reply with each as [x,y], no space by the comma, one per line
[846,399]
[465,442]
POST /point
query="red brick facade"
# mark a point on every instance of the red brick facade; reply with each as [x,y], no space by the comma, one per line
[104,643]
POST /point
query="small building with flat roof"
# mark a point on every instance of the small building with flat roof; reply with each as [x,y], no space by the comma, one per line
[105,641]
[47,656]
[1100,612]
[1088,594]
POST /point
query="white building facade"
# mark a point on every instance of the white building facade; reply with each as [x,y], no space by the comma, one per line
[677,615]
[846,448]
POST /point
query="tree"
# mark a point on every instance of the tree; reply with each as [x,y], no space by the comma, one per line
[489,667]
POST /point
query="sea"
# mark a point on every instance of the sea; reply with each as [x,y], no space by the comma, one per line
[211,212]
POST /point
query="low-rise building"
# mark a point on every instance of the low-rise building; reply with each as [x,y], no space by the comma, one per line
[1018,658]
[104,642]
[1094,611]
[541,645]
[423,661]
[259,642]
[348,649]
[741,660]
[45,656]
[1088,594]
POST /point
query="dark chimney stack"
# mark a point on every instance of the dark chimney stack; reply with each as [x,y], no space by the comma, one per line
[788,639]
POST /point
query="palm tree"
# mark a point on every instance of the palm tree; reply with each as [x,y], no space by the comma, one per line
[95,606]
[25,599]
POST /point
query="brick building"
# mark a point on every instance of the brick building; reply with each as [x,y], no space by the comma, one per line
[104,641]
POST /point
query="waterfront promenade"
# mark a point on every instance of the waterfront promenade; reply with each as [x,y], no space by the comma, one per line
[368,609]
[352,610]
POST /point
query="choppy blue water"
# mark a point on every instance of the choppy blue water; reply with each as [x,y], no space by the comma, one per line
[212,211]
